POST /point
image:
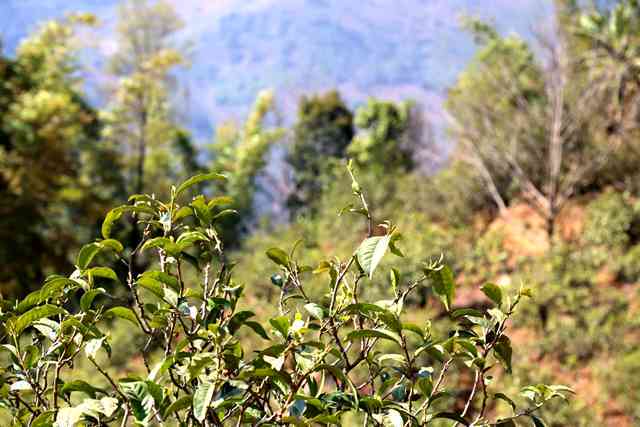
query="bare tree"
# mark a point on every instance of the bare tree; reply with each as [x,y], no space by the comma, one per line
[533,133]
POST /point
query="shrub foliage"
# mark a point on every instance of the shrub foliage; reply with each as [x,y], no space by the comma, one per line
[322,362]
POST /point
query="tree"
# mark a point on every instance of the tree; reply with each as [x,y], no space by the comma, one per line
[337,360]
[383,140]
[243,154]
[140,118]
[612,55]
[322,133]
[53,170]
[527,127]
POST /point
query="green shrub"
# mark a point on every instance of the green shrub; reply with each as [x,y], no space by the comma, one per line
[338,356]
[629,266]
[609,220]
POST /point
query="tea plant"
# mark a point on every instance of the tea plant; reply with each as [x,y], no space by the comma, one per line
[322,361]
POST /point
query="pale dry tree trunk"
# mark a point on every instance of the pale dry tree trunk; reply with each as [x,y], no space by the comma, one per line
[569,108]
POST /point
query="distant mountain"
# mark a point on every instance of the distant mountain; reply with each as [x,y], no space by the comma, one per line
[387,48]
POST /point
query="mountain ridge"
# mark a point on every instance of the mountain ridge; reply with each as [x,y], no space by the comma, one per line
[392,49]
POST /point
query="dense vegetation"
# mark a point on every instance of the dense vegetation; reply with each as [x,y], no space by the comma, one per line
[541,189]
[338,359]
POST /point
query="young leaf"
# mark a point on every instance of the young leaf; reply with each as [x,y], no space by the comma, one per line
[370,253]
[197,179]
[443,285]
[493,292]
[278,256]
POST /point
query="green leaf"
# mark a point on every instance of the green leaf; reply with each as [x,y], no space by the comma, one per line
[374,333]
[364,308]
[20,386]
[141,399]
[503,351]
[104,272]
[52,288]
[197,179]
[225,213]
[68,417]
[507,399]
[238,320]
[115,214]
[275,362]
[112,244]
[27,319]
[394,278]
[44,420]
[183,212]
[278,256]
[370,253]
[315,310]
[163,277]
[191,237]
[219,201]
[395,237]
[86,255]
[281,324]
[92,347]
[467,312]
[81,386]
[87,298]
[182,403]
[451,416]
[257,328]
[123,313]
[393,357]
[494,293]
[392,419]
[159,289]
[537,422]
[443,285]
[89,251]
[413,328]
[202,399]
[158,242]
[202,212]
[336,372]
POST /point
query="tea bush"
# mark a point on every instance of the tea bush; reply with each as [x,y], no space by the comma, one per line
[335,359]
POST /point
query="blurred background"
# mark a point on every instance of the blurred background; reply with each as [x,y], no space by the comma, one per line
[502,134]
